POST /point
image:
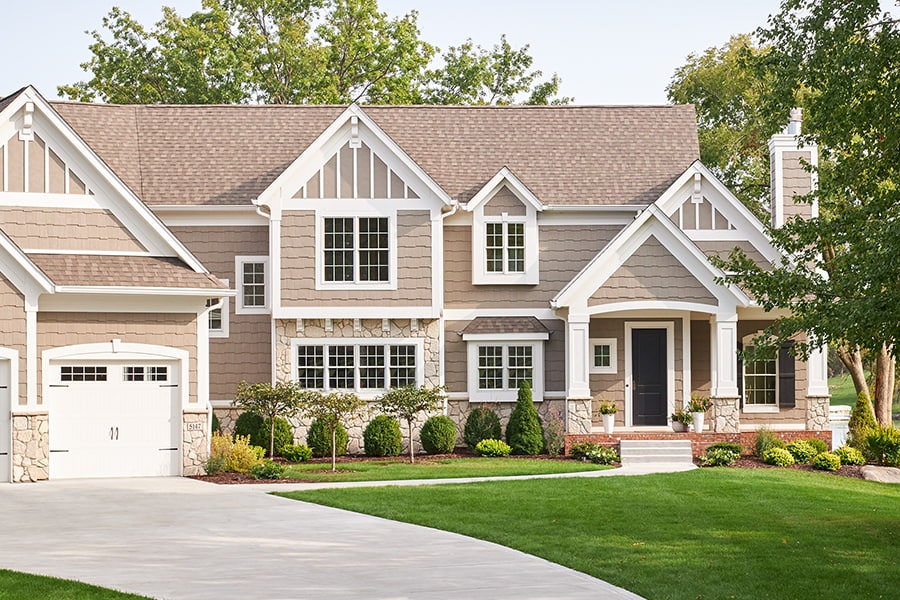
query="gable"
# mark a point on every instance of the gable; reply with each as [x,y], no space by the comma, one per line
[355,172]
[700,214]
[34,166]
[504,201]
[62,228]
[652,273]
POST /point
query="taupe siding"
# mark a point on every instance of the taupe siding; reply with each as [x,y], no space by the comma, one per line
[785,415]
[504,201]
[38,170]
[174,330]
[652,273]
[701,378]
[723,248]
[456,358]
[298,265]
[564,251]
[67,229]
[246,354]
[359,168]
[797,182]
[12,334]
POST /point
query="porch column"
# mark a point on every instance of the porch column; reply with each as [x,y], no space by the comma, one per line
[724,393]
[578,396]
[817,394]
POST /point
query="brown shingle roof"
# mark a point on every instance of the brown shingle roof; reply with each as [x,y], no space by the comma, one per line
[122,271]
[209,155]
[499,325]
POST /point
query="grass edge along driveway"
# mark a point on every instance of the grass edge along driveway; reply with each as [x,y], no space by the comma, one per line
[15,585]
[709,533]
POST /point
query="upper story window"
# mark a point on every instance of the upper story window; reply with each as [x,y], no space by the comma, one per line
[253,284]
[504,247]
[218,317]
[357,250]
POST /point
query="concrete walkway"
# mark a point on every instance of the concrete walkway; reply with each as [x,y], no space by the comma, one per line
[183,539]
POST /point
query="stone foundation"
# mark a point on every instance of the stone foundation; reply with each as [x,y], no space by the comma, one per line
[30,446]
[725,415]
[817,413]
[458,410]
[580,420]
[227,417]
[195,448]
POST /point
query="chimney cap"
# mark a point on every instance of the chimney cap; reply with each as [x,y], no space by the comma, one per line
[796,121]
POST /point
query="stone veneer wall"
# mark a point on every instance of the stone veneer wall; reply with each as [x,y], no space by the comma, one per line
[725,415]
[30,446]
[458,410]
[817,414]
[195,448]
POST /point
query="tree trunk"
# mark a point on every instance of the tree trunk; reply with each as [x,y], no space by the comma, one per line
[852,359]
[412,454]
[271,437]
[334,449]
[884,386]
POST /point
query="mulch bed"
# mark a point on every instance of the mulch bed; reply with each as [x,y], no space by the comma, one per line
[751,462]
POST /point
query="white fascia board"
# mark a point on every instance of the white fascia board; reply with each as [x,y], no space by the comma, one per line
[149,291]
[653,308]
[117,303]
[504,337]
[315,155]
[108,176]
[361,312]
[18,268]
[210,216]
[504,177]
[467,314]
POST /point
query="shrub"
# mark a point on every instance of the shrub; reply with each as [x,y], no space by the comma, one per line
[554,433]
[732,446]
[765,440]
[524,432]
[216,425]
[862,422]
[719,457]
[850,456]
[778,456]
[267,469]
[581,450]
[491,447]
[257,428]
[215,464]
[801,451]
[243,455]
[481,424]
[438,435]
[382,437]
[319,439]
[296,452]
[818,445]
[883,446]
[827,461]
[602,455]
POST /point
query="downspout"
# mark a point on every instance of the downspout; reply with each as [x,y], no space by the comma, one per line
[444,215]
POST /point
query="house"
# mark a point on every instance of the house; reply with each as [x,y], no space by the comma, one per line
[366,248]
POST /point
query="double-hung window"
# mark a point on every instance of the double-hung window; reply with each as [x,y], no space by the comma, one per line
[357,365]
[504,247]
[253,286]
[761,380]
[496,369]
[356,250]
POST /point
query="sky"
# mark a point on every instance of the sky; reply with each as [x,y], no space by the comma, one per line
[605,51]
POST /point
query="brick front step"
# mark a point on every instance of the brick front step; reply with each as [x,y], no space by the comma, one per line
[699,441]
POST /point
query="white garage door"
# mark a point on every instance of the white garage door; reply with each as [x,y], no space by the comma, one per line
[114,419]
[5,425]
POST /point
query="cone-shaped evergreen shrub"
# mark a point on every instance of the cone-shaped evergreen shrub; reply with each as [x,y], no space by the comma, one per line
[481,424]
[862,422]
[382,437]
[524,432]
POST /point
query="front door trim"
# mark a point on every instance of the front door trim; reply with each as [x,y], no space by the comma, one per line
[669,326]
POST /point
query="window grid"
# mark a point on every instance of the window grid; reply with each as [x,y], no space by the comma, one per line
[403,366]
[373,249]
[371,367]
[602,355]
[494,247]
[505,364]
[490,367]
[311,367]
[339,233]
[515,247]
[761,381]
[350,367]
[520,366]
[152,373]
[254,284]
[504,247]
[341,368]
[79,373]
[357,249]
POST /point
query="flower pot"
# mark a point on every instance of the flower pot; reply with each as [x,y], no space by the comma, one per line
[678,427]
[609,423]
[698,421]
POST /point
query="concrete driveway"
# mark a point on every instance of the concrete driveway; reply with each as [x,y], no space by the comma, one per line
[183,539]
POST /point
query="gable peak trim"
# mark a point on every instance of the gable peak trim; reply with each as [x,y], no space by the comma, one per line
[504,178]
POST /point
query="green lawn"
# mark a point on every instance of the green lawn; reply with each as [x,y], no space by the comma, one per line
[425,468]
[23,586]
[842,390]
[709,533]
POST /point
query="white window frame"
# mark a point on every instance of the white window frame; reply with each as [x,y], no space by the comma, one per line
[222,332]
[613,367]
[747,342]
[480,273]
[239,308]
[474,342]
[322,284]
[367,393]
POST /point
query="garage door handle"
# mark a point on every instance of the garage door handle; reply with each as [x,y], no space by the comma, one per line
[110,433]
[168,385]
[167,449]
[117,433]
[58,385]
[2,387]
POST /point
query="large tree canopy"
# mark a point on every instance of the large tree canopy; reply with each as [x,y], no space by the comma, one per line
[298,51]
[842,280]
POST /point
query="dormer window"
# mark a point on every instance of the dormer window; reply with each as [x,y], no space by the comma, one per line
[504,246]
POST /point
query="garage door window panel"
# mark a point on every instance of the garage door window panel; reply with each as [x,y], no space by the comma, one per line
[82,373]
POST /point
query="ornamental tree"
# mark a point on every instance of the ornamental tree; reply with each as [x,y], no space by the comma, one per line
[407,403]
[266,400]
[331,408]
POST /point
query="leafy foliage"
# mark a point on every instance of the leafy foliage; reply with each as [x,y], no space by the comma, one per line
[297,51]
[524,432]
[409,402]
[438,435]
[765,440]
[248,424]
[602,455]
[730,446]
[719,457]
[259,430]
[491,447]
[318,438]
[818,445]
[779,457]
[270,402]
[216,425]
[801,451]
[554,433]
[850,456]
[232,455]
[862,421]
[580,450]
[827,461]
[296,453]
[481,424]
[883,446]
[382,437]
[267,469]
[328,411]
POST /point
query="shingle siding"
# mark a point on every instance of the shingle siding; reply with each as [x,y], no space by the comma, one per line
[12,334]
[504,201]
[67,229]
[797,182]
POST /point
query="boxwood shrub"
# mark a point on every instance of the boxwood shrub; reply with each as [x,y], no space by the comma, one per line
[319,439]
[296,452]
[382,437]
[818,445]
[827,461]
[801,451]
[267,469]
[438,435]
[850,455]
[779,457]
[719,457]
[491,447]
[481,424]
[257,428]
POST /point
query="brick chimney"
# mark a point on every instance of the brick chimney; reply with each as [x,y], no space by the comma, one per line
[788,175]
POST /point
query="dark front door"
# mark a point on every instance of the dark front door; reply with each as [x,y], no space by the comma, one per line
[648,367]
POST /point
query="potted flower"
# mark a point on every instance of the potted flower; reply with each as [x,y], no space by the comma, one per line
[698,407]
[681,420]
[608,414]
